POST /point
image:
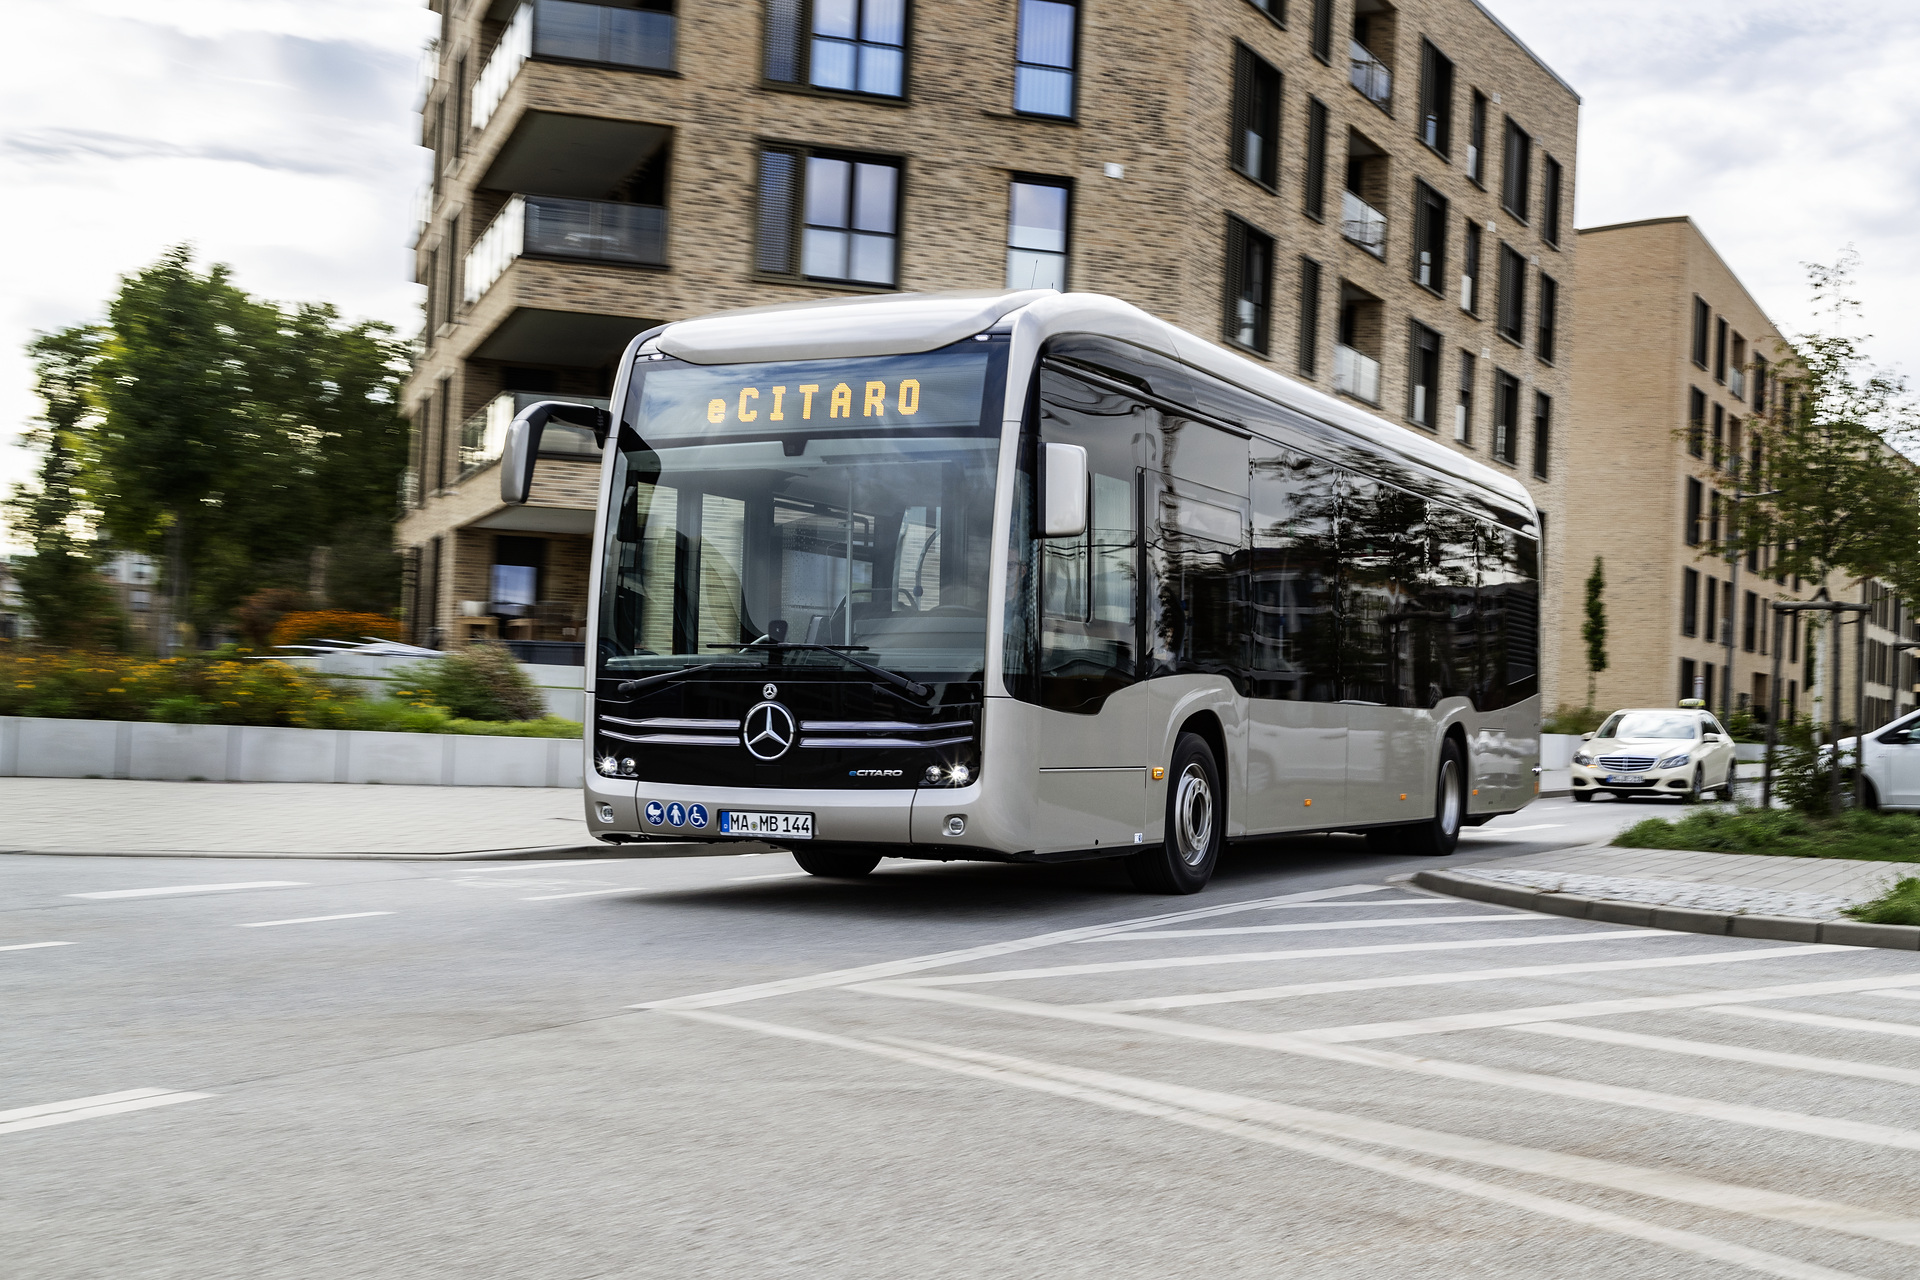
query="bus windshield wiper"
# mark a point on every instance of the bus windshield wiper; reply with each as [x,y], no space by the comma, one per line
[680,673]
[894,678]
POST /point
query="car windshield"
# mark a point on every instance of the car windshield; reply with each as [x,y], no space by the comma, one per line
[822,502]
[1648,724]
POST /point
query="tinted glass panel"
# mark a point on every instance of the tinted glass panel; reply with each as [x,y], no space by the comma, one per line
[1383,550]
[1295,575]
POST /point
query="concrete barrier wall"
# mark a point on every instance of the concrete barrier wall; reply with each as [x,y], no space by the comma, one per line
[41,748]
[562,689]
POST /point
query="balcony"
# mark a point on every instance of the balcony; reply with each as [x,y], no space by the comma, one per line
[1355,374]
[576,230]
[484,435]
[1363,224]
[638,38]
[1369,75]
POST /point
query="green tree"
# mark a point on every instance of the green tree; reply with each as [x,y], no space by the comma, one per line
[70,603]
[1594,630]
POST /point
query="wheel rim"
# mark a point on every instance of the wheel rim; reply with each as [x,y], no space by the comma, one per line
[1193,815]
[1450,802]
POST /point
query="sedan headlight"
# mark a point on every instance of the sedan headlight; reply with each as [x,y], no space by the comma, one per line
[1583,759]
[1674,762]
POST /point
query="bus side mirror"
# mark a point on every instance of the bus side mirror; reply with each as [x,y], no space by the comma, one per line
[1065,471]
[522,445]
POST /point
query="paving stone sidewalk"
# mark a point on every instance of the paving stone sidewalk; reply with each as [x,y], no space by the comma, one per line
[1734,883]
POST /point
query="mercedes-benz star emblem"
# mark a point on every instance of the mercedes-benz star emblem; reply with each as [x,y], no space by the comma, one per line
[768,731]
[769,691]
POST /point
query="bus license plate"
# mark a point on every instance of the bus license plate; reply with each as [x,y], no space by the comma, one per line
[746,822]
[1627,779]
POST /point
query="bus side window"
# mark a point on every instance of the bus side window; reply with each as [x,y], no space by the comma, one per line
[1510,609]
[1382,554]
[1450,595]
[1295,571]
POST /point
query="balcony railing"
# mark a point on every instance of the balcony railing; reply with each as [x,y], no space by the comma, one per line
[553,227]
[1368,74]
[1363,224]
[579,32]
[1355,374]
[484,435]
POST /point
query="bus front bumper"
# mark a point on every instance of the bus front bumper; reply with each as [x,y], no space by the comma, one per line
[947,821]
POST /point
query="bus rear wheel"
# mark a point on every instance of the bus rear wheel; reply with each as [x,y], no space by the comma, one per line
[1196,825]
[839,864]
[1437,836]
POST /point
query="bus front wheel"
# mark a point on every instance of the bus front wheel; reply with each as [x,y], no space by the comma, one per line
[1196,824]
[839,864]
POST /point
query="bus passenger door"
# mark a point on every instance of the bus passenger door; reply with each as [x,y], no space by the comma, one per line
[1297,730]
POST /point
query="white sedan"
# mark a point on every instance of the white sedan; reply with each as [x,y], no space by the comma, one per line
[1892,763]
[1682,753]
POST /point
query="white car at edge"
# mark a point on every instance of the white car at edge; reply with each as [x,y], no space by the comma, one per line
[1892,763]
[1678,752]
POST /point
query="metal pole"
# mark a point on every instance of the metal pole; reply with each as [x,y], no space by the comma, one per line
[1860,703]
[1773,705]
[1733,603]
[1833,713]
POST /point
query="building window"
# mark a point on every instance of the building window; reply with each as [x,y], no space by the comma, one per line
[1713,515]
[851,46]
[1463,407]
[1309,317]
[1506,415]
[1249,284]
[1549,320]
[1436,99]
[1750,623]
[1550,182]
[1696,422]
[1513,295]
[828,216]
[1542,432]
[1256,117]
[1719,438]
[1720,350]
[1323,30]
[1713,610]
[1043,70]
[1275,9]
[1689,602]
[1316,183]
[1039,212]
[1695,496]
[1687,680]
[1516,175]
[1477,139]
[1423,376]
[1702,315]
[1470,270]
[140,601]
[1429,236]
[1759,384]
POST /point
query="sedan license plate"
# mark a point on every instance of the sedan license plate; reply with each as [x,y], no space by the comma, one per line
[747,822]
[1627,779]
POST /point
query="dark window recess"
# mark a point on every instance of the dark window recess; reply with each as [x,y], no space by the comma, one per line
[1720,350]
[1275,9]
[1713,515]
[1759,384]
[1506,415]
[1513,294]
[828,216]
[1323,30]
[518,566]
[1689,602]
[1542,432]
[1470,269]
[1548,330]
[1429,237]
[1696,422]
[1249,285]
[1551,179]
[1719,438]
[1256,117]
[1687,679]
[1749,620]
[1713,610]
[1423,375]
[1477,139]
[1463,405]
[1436,98]
[1309,317]
[1316,178]
[1043,73]
[1702,320]
[1516,170]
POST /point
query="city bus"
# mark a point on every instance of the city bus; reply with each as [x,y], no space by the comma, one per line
[1034,577]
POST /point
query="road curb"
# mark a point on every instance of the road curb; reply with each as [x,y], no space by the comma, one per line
[1851,933]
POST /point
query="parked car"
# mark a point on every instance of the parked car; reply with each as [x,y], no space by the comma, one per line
[1679,752]
[1892,763]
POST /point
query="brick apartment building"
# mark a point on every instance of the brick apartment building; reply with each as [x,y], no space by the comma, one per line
[1373,198]
[1672,358]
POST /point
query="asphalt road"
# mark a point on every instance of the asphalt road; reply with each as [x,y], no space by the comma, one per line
[724,1067]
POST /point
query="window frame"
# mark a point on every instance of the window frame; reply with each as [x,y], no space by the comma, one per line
[1470,252]
[1720,331]
[1019,178]
[1547,322]
[1423,357]
[1689,601]
[796,223]
[1696,422]
[1249,68]
[1463,400]
[1702,330]
[802,83]
[1512,285]
[1435,66]
[1277,19]
[1506,396]
[1314,179]
[1696,503]
[1073,70]
[1320,38]
[1476,166]
[1241,235]
[1307,355]
[1542,433]
[1516,189]
[1552,179]
[1431,213]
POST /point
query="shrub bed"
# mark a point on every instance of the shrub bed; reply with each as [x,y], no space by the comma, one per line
[1862,834]
[1898,905]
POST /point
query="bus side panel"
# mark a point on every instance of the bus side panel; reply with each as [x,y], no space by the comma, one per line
[1178,699]
[1390,764]
[1003,816]
[1505,746]
[1092,776]
[1296,765]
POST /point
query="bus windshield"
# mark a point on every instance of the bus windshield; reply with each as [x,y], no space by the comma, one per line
[843,503]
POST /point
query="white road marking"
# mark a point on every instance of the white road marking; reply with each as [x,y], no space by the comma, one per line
[1556,1086]
[1301,953]
[1507,831]
[588,893]
[965,955]
[1604,1008]
[778,875]
[100,1104]
[191,888]
[1440,979]
[1321,926]
[1661,1184]
[32,946]
[1683,1241]
[536,864]
[1369,903]
[1903,995]
[1826,1020]
[1725,1052]
[351,915]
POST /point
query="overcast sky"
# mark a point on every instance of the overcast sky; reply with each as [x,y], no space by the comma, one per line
[280,136]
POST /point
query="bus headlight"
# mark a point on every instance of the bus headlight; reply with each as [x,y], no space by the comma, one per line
[947,775]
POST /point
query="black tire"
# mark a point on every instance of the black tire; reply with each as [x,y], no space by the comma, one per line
[1184,860]
[1870,795]
[1437,836]
[839,864]
[1697,792]
[1583,797]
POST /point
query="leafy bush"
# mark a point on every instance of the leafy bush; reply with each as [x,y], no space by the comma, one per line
[480,682]
[334,624]
[1744,728]
[1898,905]
[1858,833]
[1574,720]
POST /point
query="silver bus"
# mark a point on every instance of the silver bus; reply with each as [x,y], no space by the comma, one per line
[1034,577]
